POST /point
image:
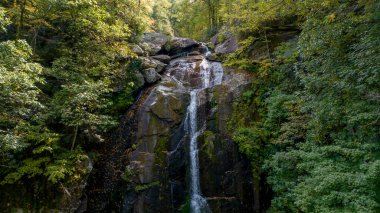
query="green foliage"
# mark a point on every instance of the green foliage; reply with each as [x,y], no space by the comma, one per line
[4,21]
[18,79]
[250,142]
[128,175]
[84,104]
[161,16]
[123,99]
[314,108]
[42,157]
[185,208]
[209,144]
[195,19]
[81,48]
[18,94]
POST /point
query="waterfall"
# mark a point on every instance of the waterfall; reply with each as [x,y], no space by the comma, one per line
[212,74]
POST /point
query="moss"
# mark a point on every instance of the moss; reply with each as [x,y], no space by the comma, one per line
[221,38]
[143,187]
[169,84]
[208,146]
[153,125]
[161,151]
[185,207]
[134,147]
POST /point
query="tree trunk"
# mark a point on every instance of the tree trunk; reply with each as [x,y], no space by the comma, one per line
[75,137]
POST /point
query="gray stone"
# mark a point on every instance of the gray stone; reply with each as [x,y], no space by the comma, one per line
[152,63]
[156,38]
[160,67]
[163,58]
[166,107]
[228,46]
[148,63]
[150,75]
[176,44]
[225,42]
[153,42]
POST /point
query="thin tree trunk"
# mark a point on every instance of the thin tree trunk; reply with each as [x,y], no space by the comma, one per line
[21,21]
[75,137]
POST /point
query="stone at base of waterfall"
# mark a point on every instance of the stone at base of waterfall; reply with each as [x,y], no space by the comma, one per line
[163,58]
[156,38]
[150,75]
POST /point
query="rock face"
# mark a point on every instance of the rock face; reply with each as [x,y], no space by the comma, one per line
[146,162]
[160,160]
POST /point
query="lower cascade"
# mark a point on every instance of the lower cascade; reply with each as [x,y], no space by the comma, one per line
[198,203]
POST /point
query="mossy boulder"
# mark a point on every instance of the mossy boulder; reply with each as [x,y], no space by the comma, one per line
[168,107]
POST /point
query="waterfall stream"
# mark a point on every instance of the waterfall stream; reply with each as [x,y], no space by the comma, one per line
[212,74]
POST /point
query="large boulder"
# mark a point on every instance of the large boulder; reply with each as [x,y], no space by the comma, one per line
[176,45]
[151,48]
[166,107]
[225,43]
[153,42]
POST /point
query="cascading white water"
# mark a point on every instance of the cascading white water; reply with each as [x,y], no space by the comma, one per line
[212,74]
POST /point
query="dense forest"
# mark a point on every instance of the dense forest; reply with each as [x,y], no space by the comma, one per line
[308,122]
